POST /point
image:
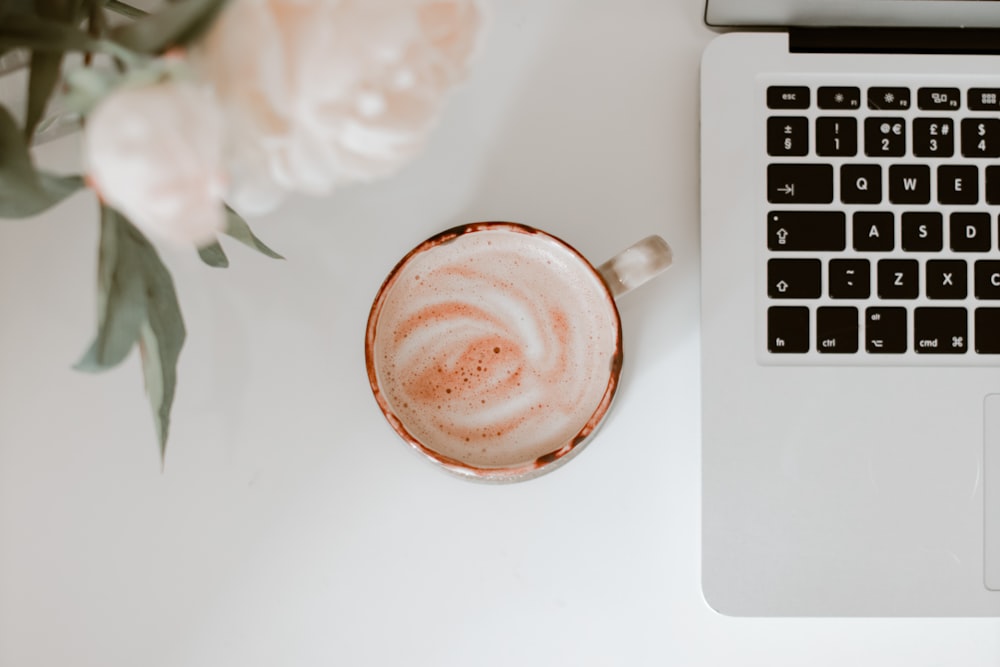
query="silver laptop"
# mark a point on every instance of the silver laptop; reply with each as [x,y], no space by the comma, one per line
[851,308]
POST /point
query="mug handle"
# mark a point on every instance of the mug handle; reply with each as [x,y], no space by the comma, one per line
[636,264]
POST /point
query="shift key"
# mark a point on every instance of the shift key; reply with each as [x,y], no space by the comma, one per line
[800,183]
[806,230]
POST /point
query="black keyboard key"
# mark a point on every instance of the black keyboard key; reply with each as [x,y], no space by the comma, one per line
[947,279]
[987,279]
[898,279]
[837,330]
[885,330]
[861,183]
[849,279]
[958,184]
[836,137]
[788,97]
[993,184]
[981,137]
[988,330]
[940,330]
[885,98]
[922,231]
[933,137]
[800,183]
[788,329]
[885,137]
[838,97]
[939,99]
[984,99]
[909,184]
[787,135]
[970,232]
[806,230]
[793,278]
[874,231]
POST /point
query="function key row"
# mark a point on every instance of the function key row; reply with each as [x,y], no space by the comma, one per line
[884,330]
[908,184]
[883,136]
[883,98]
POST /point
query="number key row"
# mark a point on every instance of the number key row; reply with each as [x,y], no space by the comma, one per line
[837,136]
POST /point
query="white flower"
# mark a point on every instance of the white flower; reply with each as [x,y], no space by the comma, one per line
[155,154]
[320,93]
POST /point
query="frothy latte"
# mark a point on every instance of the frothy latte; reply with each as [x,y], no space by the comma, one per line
[495,347]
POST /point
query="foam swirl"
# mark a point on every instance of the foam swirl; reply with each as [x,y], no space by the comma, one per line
[496,348]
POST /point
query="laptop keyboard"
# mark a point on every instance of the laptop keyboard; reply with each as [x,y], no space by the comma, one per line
[882,222]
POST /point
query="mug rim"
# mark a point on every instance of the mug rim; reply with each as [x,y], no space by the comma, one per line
[514,472]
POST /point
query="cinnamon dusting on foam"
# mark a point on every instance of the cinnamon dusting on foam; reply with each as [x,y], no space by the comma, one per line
[496,349]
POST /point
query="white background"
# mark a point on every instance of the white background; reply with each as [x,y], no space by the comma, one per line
[289,525]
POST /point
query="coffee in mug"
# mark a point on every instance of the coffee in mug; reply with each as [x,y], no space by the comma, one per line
[495,349]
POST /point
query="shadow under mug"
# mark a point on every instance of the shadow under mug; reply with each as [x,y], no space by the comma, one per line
[494,349]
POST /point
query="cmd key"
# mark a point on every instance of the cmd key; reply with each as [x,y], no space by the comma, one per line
[800,183]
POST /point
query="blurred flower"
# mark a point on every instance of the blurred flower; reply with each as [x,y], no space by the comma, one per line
[154,153]
[320,93]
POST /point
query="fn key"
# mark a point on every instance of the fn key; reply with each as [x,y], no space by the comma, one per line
[788,329]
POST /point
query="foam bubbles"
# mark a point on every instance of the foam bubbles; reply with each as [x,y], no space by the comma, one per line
[495,348]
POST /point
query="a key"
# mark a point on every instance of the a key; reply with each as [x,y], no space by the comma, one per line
[874,231]
[800,183]
[935,99]
[940,330]
[837,330]
[909,184]
[958,184]
[793,278]
[850,279]
[984,99]
[885,330]
[788,329]
[970,232]
[987,330]
[946,279]
[981,137]
[806,230]
[933,137]
[885,98]
[788,97]
[885,137]
[987,279]
[838,97]
[898,279]
[861,183]
[836,137]
[922,231]
[787,135]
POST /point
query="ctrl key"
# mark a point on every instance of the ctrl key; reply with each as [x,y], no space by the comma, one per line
[788,329]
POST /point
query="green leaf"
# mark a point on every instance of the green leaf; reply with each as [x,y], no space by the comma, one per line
[24,191]
[160,341]
[238,228]
[175,25]
[121,296]
[137,302]
[214,255]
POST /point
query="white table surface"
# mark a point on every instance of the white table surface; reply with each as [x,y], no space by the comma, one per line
[290,526]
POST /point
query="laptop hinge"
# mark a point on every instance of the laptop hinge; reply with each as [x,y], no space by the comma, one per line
[895,40]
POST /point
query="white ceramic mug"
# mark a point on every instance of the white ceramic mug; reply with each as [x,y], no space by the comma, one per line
[495,349]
